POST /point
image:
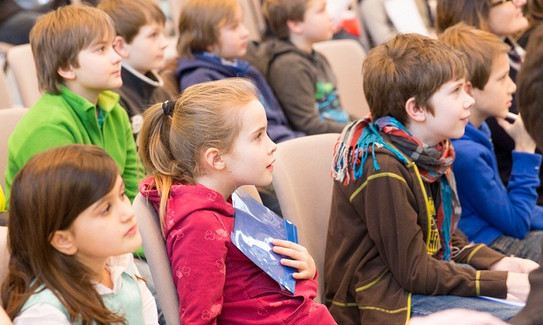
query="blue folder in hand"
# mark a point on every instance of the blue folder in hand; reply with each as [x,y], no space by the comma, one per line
[254,228]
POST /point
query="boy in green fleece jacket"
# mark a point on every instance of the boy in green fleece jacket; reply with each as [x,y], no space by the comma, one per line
[76,66]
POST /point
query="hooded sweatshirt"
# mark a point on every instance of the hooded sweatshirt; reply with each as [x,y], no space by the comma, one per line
[207,67]
[304,84]
[215,281]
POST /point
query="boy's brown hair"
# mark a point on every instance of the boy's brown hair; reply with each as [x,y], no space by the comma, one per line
[200,23]
[130,15]
[479,48]
[278,12]
[409,65]
[59,36]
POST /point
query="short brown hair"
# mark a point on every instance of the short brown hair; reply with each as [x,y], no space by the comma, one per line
[409,65]
[471,12]
[130,15]
[278,12]
[200,22]
[480,48]
[58,37]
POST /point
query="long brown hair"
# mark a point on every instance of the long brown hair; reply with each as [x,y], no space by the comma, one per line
[205,116]
[48,194]
[471,12]
[530,82]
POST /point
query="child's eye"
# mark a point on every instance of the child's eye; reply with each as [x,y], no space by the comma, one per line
[259,136]
[123,195]
[106,210]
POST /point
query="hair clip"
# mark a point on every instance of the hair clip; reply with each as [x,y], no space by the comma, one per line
[168,107]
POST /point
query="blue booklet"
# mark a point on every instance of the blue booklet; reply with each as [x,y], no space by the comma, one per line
[254,227]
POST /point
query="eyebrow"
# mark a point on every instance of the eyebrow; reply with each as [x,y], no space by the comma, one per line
[261,129]
[103,198]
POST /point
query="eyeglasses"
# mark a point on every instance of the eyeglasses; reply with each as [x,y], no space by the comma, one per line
[500,2]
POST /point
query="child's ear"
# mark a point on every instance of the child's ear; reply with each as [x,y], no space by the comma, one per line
[415,112]
[469,88]
[294,26]
[119,44]
[67,72]
[213,159]
[62,241]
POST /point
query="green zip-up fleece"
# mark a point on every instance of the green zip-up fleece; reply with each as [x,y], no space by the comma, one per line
[67,118]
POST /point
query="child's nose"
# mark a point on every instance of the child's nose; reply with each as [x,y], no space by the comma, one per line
[163,41]
[127,212]
[512,87]
[115,57]
[469,101]
[273,147]
[244,30]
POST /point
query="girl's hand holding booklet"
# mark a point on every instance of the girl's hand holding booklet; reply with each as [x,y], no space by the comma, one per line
[254,228]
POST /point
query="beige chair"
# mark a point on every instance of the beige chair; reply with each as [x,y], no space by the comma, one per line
[4,253]
[253,18]
[5,96]
[346,57]
[303,185]
[21,62]
[9,117]
[154,247]
[157,257]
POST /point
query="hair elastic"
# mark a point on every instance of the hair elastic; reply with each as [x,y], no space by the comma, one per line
[168,107]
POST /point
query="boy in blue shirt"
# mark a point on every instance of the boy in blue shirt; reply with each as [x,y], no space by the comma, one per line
[506,219]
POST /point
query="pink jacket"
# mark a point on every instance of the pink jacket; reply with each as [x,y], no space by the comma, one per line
[215,282]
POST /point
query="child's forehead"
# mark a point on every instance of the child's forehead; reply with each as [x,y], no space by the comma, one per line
[106,38]
[315,3]
[451,84]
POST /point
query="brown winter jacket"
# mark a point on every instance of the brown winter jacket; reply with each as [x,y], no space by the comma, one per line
[381,239]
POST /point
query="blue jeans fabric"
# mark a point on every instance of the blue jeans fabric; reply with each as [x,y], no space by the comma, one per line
[424,305]
[529,247]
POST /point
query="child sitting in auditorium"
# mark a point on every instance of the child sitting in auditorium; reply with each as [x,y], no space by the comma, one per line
[77,67]
[392,250]
[199,149]
[71,233]
[301,78]
[212,39]
[506,219]
[141,42]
